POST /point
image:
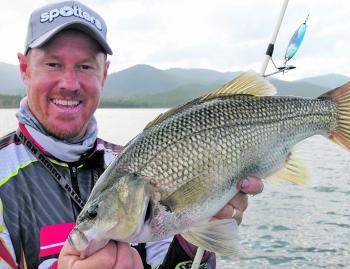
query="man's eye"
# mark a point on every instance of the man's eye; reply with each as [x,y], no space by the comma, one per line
[53,65]
[86,67]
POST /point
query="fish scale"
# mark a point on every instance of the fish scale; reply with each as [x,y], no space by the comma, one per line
[183,168]
[274,115]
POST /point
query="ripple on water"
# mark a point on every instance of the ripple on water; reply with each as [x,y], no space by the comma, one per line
[266,237]
[262,227]
[340,225]
[331,213]
[314,250]
[279,244]
[325,189]
[278,228]
[276,260]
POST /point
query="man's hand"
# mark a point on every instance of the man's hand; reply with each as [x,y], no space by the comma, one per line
[115,255]
[239,203]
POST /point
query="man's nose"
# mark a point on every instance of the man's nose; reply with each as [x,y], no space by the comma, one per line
[69,80]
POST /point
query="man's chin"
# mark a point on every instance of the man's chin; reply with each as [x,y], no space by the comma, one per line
[68,134]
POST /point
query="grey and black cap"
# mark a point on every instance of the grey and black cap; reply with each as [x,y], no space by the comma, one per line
[48,20]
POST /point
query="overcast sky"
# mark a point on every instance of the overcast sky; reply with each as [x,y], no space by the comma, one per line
[223,35]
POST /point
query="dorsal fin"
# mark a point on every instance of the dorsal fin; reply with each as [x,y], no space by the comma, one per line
[247,83]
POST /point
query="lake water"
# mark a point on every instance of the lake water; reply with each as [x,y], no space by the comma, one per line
[286,226]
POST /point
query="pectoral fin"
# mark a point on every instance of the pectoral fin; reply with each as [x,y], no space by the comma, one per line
[220,236]
[193,191]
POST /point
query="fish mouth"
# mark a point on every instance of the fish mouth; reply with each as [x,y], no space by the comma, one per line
[78,240]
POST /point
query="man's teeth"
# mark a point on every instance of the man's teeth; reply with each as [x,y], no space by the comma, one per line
[65,102]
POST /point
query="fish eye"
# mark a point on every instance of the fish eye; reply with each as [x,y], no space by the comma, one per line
[92,211]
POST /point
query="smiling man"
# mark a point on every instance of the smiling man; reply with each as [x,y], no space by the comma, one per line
[51,163]
[64,88]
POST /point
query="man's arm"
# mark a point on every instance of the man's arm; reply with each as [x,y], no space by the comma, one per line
[7,253]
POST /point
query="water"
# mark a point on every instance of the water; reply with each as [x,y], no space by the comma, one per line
[286,226]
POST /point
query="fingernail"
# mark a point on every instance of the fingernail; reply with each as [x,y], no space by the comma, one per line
[243,184]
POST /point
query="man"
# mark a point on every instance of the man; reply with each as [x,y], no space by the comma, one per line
[50,164]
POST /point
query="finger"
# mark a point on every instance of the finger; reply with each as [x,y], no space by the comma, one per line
[127,257]
[229,212]
[102,259]
[239,201]
[137,259]
[68,256]
[250,185]
[234,208]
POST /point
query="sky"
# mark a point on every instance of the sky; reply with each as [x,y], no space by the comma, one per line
[223,35]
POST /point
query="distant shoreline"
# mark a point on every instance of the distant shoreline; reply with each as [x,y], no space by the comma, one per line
[13,101]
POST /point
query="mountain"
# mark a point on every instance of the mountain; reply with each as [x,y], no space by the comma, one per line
[178,83]
[138,79]
[197,75]
[329,81]
[179,95]
[297,88]
[11,81]
[147,80]
[185,93]
[147,85]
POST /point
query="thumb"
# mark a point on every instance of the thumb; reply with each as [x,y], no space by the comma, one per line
[250,185]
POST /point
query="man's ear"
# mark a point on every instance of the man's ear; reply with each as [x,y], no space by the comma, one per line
[105,72]
[23,67]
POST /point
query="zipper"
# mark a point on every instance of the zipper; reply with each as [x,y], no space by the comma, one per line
[74,179]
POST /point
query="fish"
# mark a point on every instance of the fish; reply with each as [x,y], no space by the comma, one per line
[183,167]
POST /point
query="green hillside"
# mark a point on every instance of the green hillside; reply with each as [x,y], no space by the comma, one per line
[10,101]
[147,86]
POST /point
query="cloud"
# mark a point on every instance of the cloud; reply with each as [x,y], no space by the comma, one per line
[224,35]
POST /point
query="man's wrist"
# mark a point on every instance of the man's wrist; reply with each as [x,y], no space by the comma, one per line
[191,249]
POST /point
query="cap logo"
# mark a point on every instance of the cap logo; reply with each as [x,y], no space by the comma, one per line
[67,11]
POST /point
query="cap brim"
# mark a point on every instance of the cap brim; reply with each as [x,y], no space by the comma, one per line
[86,28]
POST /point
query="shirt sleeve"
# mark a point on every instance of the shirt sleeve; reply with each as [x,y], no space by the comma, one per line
[156,251]
[175,253]
[49,264]
[7,253]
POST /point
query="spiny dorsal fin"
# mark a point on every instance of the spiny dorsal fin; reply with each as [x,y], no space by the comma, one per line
[247,83]
[294,170]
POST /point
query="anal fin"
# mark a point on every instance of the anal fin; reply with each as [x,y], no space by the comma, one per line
[294,170]
[219,236]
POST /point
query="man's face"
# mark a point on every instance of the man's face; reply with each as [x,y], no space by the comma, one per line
[64,82]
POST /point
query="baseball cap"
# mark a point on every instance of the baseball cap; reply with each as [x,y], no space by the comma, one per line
[48,20]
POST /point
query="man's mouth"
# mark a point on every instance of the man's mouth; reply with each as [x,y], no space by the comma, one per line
[65,103]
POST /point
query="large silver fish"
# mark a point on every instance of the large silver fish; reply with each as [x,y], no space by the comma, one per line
[183,168]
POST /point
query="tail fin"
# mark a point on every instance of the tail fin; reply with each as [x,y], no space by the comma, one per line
[341,96]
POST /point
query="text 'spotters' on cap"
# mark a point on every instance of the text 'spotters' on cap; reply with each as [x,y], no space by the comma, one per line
[48,20]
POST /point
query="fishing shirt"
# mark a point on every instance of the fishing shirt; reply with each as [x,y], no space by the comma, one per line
[37,214]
